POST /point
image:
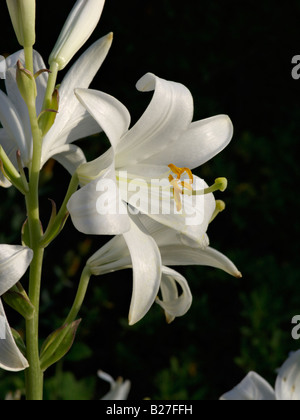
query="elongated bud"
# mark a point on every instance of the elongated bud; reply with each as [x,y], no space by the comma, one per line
[58,344]
[26,84]
[22,14]
[79,26]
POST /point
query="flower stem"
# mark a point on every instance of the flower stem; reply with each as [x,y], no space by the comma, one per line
[81,292]
[28,52]
[34,375]
[50,86]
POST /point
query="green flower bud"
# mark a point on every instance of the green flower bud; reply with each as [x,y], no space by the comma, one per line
[22,14]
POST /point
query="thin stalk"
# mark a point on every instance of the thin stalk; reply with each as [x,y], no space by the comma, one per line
[50,86]
[80,296]
[28,51]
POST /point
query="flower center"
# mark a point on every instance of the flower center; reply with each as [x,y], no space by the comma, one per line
[180,186]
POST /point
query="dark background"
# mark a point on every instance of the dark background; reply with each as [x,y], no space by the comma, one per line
[235,57]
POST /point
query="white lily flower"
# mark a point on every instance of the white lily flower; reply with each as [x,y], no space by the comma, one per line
[22,14]
[119,389]
[255,388]
[79,26]
[162,142]
[72,123]
[14,261]
[130,250]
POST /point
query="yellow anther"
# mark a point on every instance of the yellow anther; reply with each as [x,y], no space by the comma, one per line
[176,192]
[180,185]
[180,171]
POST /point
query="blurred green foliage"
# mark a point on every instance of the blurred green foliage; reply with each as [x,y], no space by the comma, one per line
[235,57]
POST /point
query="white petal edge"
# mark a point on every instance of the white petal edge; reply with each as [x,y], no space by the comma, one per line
[202,141]
[252,388]
[175,255]
[14,262]
[174,305]
[146,265]
[70,157]
[110,114]
[167,117]
[11,359]
[11,122]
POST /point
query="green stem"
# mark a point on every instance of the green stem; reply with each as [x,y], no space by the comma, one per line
[50,86]
[81,292]
[28,52]
[34,375]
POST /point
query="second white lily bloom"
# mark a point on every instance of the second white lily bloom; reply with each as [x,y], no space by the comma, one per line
[256,388]
[72,122]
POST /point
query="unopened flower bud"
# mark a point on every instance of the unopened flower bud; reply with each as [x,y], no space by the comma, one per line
[26,84]
[78,28]
[22,14]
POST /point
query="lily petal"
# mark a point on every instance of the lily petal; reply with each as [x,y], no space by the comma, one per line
[287,386]
[136,249]
[146,264]
[119,389]
[173,304]
[12,124]
[72,122]
[167,117]
[14,261]
[97,209]
[201,142]
[183,255]
[156,199]
[70,157]
[176,251]
[111,115]
[11,359]
[113,256]
[252,388]
[10,150]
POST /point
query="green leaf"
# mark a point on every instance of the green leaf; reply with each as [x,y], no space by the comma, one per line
[58,344]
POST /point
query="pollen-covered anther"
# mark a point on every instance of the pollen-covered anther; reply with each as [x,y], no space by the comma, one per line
[179,185]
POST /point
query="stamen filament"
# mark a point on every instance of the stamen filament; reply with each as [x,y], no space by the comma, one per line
[219,185]
[220,206]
